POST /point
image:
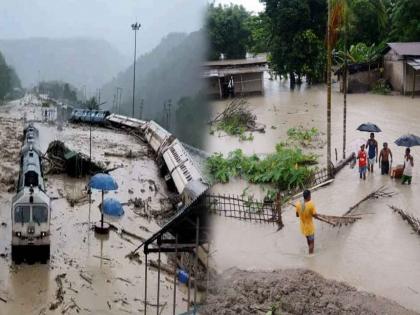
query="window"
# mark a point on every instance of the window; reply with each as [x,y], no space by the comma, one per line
[39,214]
[22,214]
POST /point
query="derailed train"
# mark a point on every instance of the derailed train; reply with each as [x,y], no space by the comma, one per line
[31,206]
[175,162]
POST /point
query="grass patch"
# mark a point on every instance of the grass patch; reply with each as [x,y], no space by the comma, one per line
[286,168]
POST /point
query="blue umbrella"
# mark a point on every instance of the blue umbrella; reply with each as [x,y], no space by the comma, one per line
[112,207]
[103,181]
[369,127]
[408,140]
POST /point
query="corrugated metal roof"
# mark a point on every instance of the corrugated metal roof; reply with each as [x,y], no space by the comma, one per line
[414,63]
[219,73]
[406,49]
[260,59]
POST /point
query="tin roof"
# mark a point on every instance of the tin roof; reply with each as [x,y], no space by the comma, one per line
[406,49]
[259,59]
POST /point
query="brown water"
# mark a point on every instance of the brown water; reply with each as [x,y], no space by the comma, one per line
[379,253]
[30,289]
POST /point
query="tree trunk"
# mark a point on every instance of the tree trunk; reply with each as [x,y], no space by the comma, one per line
[329,56]
[345,92]
[292,80]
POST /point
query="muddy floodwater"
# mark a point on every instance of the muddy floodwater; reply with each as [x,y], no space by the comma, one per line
[379,253]
[96,275]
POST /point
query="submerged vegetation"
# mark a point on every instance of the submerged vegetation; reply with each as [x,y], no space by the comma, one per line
[286,168]
[236,119]
[302,135]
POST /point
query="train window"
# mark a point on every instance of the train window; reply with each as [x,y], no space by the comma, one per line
[31,178]
[39,214]
[22,214]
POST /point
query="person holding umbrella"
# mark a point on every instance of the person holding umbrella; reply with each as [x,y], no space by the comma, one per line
[408,141]
[372,146]
[408,167]
[384,159]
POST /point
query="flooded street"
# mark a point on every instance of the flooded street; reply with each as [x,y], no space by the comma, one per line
[378,253]
[97,276]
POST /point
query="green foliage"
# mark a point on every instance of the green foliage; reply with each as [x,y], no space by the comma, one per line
[286,168]
[302,135]
[227,30]
[405,18]
[259,27]
[368,21]
[297,34]
[360,53]
[381,87]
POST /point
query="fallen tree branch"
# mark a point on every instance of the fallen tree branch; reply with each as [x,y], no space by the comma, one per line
[411,220]
[380,192]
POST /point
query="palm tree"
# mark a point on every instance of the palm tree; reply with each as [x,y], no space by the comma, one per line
[334,22]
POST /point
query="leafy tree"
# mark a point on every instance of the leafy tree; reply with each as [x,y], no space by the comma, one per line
[227,29]
[405,18]
[298,30]
[368,21]
[259,26]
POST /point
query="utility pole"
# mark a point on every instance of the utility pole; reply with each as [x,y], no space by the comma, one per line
[118,99]
[135,27]
[329,56]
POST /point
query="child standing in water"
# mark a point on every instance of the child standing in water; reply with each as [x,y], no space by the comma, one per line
[362,157]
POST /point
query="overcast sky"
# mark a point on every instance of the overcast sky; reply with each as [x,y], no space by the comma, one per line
[250,5]
[105,19]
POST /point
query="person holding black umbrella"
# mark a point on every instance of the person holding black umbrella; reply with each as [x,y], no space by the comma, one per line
[408,167]
[372,147]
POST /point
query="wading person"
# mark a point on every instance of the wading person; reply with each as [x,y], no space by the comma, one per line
[305,211]
[362,157]
[372,147]
[408,167]
[384,156]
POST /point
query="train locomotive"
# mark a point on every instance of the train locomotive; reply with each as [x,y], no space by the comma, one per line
[31,206]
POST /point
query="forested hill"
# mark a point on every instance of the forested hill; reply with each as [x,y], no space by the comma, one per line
[8,80]
[170,71]
[78,61]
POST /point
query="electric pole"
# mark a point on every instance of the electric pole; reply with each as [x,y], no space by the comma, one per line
[135,27]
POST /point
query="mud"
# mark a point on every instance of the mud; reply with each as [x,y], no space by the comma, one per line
[292,291]
[99,277]
[379,253]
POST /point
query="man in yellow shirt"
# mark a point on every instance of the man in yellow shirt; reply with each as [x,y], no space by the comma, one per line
[305,211]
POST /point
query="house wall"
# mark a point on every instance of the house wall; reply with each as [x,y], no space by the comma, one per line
[361,81]
[408,82]
[213,87]
[248,83]
[394,70]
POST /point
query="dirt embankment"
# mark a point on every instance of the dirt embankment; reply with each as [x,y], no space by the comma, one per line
[292,291]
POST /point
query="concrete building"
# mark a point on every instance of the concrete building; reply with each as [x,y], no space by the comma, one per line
[402,67]
[235,77]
